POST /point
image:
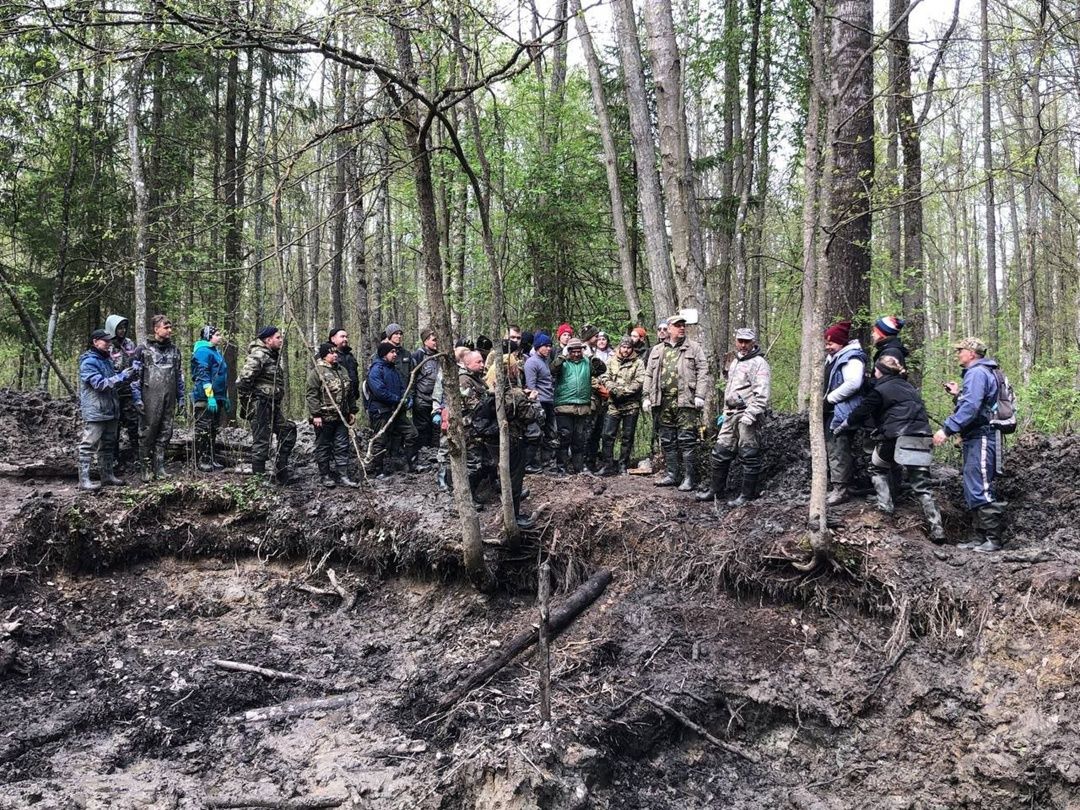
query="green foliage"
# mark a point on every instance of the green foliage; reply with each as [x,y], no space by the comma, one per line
[1050,402]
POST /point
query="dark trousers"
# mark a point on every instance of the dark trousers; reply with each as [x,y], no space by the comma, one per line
[980,466]
[427,434]
[573,434]
[549,444]
[128,423]
[267,421]
[156,427]
[332,446]
[613,421]
[206,428]
[596,430]
[98,438]
[400,434]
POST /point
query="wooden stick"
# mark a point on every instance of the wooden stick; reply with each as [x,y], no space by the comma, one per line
[293,708]
[275,674]
[305,803]
[561,618]
[543,594]
[690,724]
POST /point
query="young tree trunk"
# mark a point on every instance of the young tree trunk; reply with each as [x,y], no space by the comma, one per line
[415,134]
[611,165]
[60,280]
[850,145]
[259,282]
[988,171]
[648,178]
[339,210]
[141,319]
[233,256]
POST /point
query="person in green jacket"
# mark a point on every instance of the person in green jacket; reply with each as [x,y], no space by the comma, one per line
[573,405]
[331,409]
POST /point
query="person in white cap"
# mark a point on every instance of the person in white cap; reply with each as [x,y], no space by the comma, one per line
[677,384]
[746,398]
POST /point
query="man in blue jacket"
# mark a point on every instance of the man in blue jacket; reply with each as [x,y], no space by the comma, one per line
[975,400]
[384,391]
[100,408]
[209,395]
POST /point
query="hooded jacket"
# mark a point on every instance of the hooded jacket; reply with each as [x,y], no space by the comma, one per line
[98,381]
[424,387]
[329,390]
[121,351]
[975,404]
[894,404]
[625,380]
[384,388]
[208,367]
[261,374]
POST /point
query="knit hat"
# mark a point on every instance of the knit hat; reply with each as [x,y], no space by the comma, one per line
[207,332]
[972,344]
[267,332]
[639,331]
[838,332]
[890,324]
[528,340]
[575,344]
[588,332]
[386,348]
[541,340]
[626,342]
[325,349]
[745,334]
[392,328]
[563,327]
[483,343]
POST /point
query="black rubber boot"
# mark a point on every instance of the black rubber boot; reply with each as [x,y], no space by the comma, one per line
[689,482]
[325,478]
[993,524]
[883,491]
[525,522]
[444,478]
[344,479]
[838,495]
[85,483]
[258,468]
[108,476]
[933,517]
[159,463]
[749,489]
[672,473]
[718,473]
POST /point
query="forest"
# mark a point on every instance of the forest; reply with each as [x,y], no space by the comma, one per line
[209,640]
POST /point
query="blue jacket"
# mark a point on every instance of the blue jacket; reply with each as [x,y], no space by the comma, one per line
[842,409]
[208,366]
[538,377]
[98,400]
[384,388]
[978,395]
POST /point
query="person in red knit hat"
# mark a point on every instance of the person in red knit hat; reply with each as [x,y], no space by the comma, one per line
[563,335]
[845,370]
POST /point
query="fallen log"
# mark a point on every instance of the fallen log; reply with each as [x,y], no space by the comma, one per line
[561,618]
[303,803]
[273,674]
[292,708]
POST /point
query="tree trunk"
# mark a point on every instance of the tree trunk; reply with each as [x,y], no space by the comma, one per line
[141,318]
[339,211]
[415,134]
[611,165]
[232,214]
[648,178]
[850,144]
[988,171]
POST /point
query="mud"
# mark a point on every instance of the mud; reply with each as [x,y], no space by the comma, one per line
[905,675]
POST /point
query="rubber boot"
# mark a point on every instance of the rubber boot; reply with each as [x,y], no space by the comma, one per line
[884,492]
[159,463]
[108,475]
[258,468]
[344,479]
[993,523]
[84,478]
[933,517]
[749,490]
[671,462]
[325,478]
[532,452]
[525,522]
[146,470]
[202,456]
[444,478]
[577,463]
[718,473]
[689,482]
[837,495]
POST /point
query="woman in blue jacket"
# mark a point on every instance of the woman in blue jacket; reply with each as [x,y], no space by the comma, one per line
[209,394]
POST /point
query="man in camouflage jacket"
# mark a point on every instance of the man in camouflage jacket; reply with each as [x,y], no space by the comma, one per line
[261,389]
[331,408]
[624,381]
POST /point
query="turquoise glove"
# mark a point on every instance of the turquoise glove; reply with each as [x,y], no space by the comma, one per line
[211,402]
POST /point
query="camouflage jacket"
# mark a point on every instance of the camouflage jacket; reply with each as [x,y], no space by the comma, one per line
[624,380]
[329,390]
[261,374]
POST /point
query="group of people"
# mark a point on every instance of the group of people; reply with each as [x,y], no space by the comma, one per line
[571,398]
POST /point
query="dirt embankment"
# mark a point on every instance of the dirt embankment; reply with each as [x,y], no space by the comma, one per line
[905,676]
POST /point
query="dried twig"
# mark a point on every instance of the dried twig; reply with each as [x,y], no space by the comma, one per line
[274,674]
[674,713]
[303,803]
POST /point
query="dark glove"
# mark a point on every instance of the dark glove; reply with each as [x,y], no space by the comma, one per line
[840,428]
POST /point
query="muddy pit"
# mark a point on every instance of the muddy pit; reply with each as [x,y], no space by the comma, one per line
[906,676]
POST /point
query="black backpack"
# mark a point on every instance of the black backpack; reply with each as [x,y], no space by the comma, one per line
[1003,412]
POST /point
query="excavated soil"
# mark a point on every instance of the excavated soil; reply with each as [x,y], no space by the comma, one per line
[903,675]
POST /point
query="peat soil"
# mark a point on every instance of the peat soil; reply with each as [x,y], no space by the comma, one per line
[710,673]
